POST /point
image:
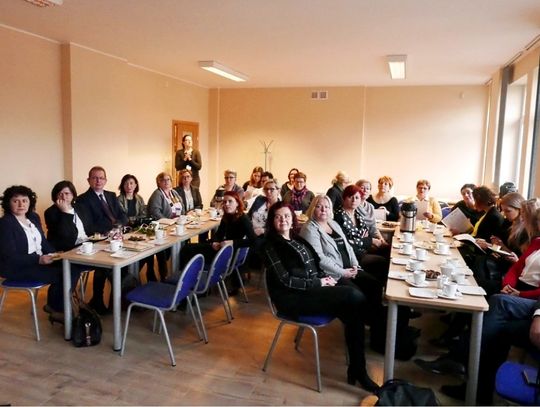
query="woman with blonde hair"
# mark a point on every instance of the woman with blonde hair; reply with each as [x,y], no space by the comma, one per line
[335,192]
[430,207]
[385,199]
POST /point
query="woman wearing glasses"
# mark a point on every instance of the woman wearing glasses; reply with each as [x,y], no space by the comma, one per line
[258,212]
[230,185]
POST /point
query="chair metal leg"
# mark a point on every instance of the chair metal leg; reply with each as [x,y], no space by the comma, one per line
[317,359]
[4,294]
[154,324]
[33,295]
[195,321]
[224,301]
[241,284]
[205,334]
[171,354]
[126,330]
[226,295]
[273,346]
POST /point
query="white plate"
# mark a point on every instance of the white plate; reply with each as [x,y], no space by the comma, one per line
[397,245]
[410,280]
[398,275]
[404,254]
[471,290]
[442,254]
[88,254]
[158,242]
[408,268]
[400,261]
[441,295]
[423,245]
[422,292]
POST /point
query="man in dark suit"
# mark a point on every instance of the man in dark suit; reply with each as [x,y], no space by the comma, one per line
[104,213]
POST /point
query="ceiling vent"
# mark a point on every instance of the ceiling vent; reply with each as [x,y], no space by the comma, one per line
[319,94]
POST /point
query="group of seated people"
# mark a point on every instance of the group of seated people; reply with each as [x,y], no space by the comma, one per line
[334,261]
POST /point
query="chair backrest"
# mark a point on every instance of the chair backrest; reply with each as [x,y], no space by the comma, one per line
[445,211]
[239,258]
[189,278]
[220,265]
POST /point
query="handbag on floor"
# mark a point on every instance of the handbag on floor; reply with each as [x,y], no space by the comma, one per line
[401,393]
[86,328]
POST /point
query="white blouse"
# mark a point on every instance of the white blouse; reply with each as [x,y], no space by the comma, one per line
[33,237]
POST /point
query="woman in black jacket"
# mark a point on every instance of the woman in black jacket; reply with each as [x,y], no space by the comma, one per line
[298,286]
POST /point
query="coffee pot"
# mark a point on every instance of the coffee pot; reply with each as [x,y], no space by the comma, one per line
[407,222]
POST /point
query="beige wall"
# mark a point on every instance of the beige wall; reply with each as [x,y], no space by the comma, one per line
[405,132]
[30,113]
[114,114]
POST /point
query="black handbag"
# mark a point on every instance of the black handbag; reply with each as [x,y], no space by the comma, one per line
[86,328]
[401,393]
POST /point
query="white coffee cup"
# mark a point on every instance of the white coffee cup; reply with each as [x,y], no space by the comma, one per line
[453,261]
[419,277]
[459,277]
[447,270]
[414,265]
[432,227]
[179,229]
[441,280]
[198,212]
[443,248]
[160,234]
[213,212]
[406,237]
[449,289]
[439,237]
[115,245]
[87,247]
[406,248]
[421,254]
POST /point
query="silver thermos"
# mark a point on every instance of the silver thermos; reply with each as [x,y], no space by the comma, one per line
[407,221]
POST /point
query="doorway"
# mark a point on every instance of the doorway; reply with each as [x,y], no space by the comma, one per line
[179,130]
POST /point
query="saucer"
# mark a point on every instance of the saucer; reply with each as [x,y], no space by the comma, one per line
[423,245]
[422,292]
[408,268]
[409,280]
[442,254]
[403,241]
[413,256]
[471,290]
[400,261]
[405,254]
[87,254]
[398,275]
[441,295]
[397,245]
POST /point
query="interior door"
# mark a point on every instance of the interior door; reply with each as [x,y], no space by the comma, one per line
[179,130]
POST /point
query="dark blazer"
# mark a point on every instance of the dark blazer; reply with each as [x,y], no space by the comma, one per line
[197,199]
[491,225]
[99,222]
[61,229]
[335,194]
[14,245]
[240,231]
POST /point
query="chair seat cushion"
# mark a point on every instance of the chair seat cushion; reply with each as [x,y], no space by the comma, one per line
[23,284]
[309,319]
[154,293]
[511,385]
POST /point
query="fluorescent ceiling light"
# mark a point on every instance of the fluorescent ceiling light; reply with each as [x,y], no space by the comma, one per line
[46,3]
[222,70]
[396,63]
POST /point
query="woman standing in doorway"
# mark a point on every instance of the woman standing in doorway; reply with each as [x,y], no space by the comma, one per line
[189,158]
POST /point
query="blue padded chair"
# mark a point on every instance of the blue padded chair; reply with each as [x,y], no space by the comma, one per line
[310,322]
[445,211]
[32,288]
[215,277]
[510,384]
[161,297]
[239,259]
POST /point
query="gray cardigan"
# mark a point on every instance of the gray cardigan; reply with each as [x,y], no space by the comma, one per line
[326,248]
[158,207]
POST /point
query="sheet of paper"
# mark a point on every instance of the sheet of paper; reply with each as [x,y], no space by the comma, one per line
[465,237]
[457,221]
[421,207]
[380,214]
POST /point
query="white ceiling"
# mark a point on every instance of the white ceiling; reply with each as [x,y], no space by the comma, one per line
[284,43]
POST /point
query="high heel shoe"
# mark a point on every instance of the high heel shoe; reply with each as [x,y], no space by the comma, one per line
[56,317]
[362,377]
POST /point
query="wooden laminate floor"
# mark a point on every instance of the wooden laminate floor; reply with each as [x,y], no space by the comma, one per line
[226,371]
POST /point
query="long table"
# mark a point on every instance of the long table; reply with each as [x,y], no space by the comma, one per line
[397,293]
[103,259]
